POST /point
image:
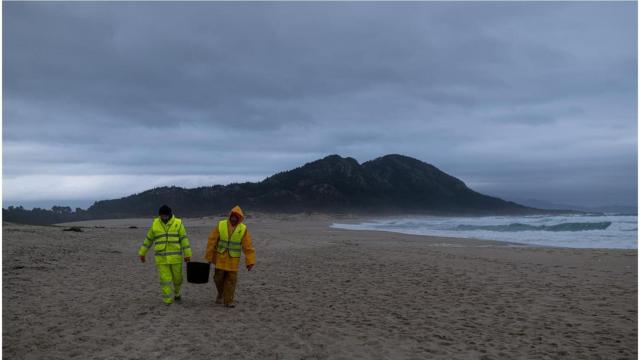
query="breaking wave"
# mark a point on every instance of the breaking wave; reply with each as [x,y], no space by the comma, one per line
[570,230]
[570,226]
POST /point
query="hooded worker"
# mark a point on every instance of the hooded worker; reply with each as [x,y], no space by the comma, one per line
[226,241]
[171,245]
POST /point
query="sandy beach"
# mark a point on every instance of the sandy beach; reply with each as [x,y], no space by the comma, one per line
[316,293]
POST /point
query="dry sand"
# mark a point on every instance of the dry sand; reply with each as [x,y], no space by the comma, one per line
[316,293]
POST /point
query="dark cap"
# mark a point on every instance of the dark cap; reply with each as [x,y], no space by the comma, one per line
[164,210]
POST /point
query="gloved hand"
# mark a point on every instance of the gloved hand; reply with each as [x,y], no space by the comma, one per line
[142,258]
[249,267]
[187,259]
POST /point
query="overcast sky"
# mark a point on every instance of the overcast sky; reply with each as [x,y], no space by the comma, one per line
[520,100]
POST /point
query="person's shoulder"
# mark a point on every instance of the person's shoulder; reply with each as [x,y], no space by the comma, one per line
[154,223]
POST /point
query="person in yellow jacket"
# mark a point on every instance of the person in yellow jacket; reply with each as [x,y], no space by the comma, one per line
[224,246]
[171,244]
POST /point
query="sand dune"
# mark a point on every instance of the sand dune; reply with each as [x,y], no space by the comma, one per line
[316,293]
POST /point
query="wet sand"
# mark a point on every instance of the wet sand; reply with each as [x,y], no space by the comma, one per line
[316,293]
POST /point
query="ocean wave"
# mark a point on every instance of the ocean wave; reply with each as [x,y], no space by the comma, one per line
[514,227]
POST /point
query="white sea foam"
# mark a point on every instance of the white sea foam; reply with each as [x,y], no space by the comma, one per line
[576,231]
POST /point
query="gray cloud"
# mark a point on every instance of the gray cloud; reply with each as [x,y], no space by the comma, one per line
[516,99]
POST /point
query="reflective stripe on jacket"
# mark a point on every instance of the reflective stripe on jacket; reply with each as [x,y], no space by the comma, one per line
[170,241]
[232,244]
[224,261]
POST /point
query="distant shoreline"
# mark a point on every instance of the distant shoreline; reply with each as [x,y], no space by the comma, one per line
[587,231]
[330,220]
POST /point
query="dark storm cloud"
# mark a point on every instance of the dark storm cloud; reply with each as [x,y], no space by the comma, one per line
[109,98]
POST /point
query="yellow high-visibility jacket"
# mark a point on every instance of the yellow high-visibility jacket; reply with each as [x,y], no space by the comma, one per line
[170,239]
[219,255]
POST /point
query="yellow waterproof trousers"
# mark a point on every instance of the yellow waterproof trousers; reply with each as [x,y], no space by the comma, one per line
[170,281]
[226,285]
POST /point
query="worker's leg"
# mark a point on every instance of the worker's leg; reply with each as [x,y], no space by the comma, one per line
[166,282]
[176,271]
[230,280]
[218,278]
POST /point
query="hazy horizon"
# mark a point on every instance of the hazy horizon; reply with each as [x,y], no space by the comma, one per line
[520,100]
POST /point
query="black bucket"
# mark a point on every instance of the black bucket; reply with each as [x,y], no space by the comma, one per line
[197,272]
